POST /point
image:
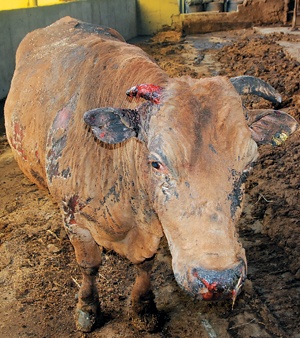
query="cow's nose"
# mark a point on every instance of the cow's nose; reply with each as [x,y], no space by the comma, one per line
[215,285]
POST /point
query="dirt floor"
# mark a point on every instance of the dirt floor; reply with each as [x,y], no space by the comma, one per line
[38,274]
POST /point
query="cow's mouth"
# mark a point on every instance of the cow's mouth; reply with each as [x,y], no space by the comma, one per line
[213,285]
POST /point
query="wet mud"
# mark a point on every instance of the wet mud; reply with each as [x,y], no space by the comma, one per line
[38,274]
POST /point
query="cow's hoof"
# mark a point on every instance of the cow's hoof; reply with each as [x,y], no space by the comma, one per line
[86,321]
[146,317]
[150,322]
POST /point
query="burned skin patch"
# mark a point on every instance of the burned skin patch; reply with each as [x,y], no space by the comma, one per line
[17,139]
[202,118]
[106,32]
[111,199]
[237,194]
[163,175]
[113,194]
[57,140]
[169,188]
[39,178]
[71,206]
[57,147]
[212,148]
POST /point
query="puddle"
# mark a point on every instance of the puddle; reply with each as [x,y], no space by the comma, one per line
[206,45]
[207,41]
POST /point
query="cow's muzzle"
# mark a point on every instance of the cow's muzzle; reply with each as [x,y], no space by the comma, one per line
[212,284]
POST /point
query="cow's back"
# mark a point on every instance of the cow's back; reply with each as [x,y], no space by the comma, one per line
[62,71]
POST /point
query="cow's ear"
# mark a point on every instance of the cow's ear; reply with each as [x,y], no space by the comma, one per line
[112,125]
[270,126]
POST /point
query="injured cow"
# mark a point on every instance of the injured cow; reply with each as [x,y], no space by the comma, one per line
[125,173]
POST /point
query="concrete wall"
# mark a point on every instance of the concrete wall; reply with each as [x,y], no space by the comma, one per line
[15,24]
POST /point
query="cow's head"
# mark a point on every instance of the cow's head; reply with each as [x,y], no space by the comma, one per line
[200,152]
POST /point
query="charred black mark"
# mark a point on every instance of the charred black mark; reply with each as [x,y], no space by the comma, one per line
[244,176]
[168,189]
[236,198]
[233,172]
[197,145]
[237,194]
[148,214]
[57,140]
[89,217]
[214,218]
[113,193]
[212,148]
[66,173]
[71,206]
[38,178]
[192,211]
[53,155]
[134,205]
[99,30]
[202,117]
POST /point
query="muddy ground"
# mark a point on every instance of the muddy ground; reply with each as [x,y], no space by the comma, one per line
[38,274]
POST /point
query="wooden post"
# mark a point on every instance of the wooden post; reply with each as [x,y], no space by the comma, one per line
[296,15]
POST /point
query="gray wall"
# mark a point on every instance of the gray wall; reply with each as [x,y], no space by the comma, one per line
[15,24]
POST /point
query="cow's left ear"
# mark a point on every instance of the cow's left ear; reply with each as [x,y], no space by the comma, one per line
[270,126]
[112,125]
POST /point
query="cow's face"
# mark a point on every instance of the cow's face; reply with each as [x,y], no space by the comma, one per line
[200,152]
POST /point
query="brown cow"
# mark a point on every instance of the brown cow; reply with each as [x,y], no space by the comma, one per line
[124,175]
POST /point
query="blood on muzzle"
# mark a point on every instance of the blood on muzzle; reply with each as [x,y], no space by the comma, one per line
[213,285]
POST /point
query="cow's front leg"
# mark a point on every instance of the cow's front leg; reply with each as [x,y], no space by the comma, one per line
[88,256]
[144,313]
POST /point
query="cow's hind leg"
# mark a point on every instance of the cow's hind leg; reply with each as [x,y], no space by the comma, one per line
[144,313]
[88,256]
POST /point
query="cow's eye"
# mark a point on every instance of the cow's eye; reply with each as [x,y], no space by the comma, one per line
[156,165]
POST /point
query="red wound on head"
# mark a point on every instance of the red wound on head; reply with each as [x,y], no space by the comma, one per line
[148,92]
